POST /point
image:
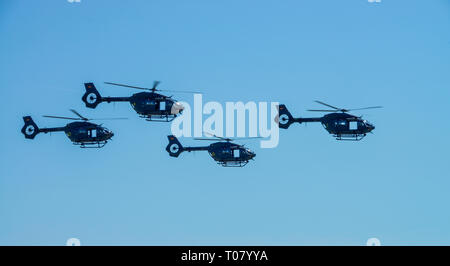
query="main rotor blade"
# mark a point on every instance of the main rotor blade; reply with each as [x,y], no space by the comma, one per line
[128,86]
[364,108]
[331,106]
[112,118]
[180,91]
[61,117]
[149,89]
[226,139]
[211,134]
[155,84]
[239,138]
[78,114]
[315,110]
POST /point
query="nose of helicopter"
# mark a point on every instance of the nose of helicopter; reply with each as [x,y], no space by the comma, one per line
[177,108]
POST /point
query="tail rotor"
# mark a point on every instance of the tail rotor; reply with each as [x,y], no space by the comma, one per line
[91,97]
[30,129]
[284,118]
[174,148]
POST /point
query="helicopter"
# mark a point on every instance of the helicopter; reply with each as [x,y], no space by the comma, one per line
[82,133]
[224,152]
[339,123]
[149,105]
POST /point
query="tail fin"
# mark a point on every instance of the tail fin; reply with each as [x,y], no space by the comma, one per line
[30,129]
[174,148]
[91,97]
[284,118]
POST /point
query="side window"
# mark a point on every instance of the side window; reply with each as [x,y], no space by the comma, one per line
[236,153]
[94,133]
[341,123]
[353,125]
[162,106]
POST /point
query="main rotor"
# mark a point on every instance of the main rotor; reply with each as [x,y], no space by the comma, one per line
[82,118]
[337,109]
[152,89]
[218,138]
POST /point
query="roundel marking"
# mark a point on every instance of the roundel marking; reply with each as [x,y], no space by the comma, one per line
[284,119]
[30,130]
[91,98]
[174,148]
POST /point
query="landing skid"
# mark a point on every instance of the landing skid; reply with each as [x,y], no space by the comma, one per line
[93,144]
[159,118]
[233,163]
[349,137]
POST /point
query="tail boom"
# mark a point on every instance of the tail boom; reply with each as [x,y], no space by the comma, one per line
[285,119]
[30,129]
[92,97]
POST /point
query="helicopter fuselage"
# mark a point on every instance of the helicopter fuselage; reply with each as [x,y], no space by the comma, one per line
[346,124]
[151,103]
[86,133]
[229,153]
[343,126]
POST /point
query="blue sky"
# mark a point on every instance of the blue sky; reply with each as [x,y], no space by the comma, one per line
[311,189]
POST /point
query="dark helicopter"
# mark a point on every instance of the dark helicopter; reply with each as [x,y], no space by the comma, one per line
[149,105]
[224,152]
[341,124]
[83,133]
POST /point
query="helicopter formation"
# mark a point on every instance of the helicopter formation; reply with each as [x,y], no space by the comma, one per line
[157,107]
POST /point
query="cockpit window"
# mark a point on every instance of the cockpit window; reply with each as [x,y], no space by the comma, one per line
[162,105]
[353,125]
[341,122]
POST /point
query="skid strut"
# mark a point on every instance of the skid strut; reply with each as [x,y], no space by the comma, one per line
[349,137]
[91,144]
[233,163]
[159,118]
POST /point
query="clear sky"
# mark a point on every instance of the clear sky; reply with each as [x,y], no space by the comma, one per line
[394,185]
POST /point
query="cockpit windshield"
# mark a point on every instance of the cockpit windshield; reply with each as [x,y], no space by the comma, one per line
[367,123]
[104,129]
